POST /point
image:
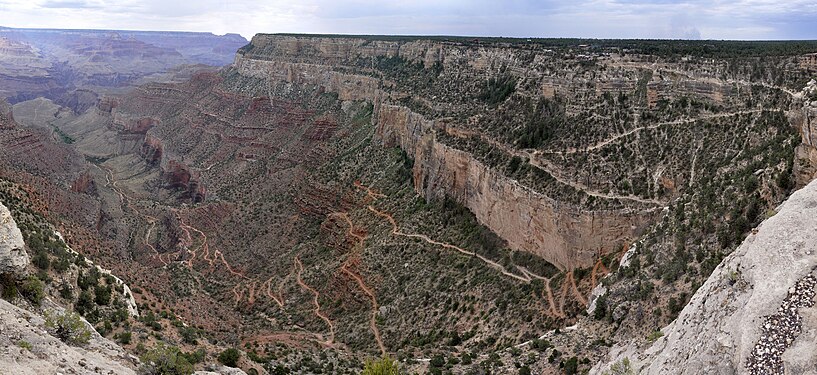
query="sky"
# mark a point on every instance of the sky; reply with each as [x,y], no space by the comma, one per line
[664,19]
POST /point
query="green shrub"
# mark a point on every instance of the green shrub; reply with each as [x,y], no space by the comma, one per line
[229,357]
[65,291]
[622,367]
[194,357]
[41,261]
[498,89]
[85,303]
[383,366]
[68,327]
[571,366]
[33,290]
[102,295]
[24,344]
[189,335]
[165,360]
[123,337]
[655,335]
[9,285]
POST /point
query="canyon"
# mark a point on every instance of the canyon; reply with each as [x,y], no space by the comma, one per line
[342,197]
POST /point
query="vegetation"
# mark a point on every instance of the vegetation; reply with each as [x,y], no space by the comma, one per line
[63,136]
[165,360]
[383,366]
[622,367]
[24,344]
[33,290]
[497,89]
[229,357]
[68,327]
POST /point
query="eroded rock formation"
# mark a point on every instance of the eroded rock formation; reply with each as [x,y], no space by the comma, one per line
[726,323]
[564,234]
[13,256]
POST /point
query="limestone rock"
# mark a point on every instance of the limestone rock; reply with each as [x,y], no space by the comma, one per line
[221,370]
[763,291]
[27,349]
[13,257]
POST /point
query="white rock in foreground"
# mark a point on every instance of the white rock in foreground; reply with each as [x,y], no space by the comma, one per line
[717,331]
[49,355]
[13,257]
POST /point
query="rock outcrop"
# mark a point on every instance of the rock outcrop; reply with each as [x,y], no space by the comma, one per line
[13,256]
[26,348]
[754,314]
[805,166]
[561,233]
[531,221]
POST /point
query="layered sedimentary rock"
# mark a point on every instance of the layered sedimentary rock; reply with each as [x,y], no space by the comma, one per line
[754,314]
[69,66]
[561,233]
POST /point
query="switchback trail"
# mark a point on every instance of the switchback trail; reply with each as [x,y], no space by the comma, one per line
[595,271]
[575,288]
[375,307]
[548,293]
[533,157]
[362,284]
[396,231]
[300,269]
[646,127]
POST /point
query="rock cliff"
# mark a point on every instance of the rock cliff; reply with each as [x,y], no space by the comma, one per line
[755,314]
[564,234]
[28,349]
[13,257]
[806,153]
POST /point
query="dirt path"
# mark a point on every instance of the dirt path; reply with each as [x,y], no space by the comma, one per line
[547,292]
[300,269]
[646,127]
[360,282]
[396,231]
[345,216]
[535,160]
[375,306]
[563,295]
[576,292]
[370,193]
[279,299]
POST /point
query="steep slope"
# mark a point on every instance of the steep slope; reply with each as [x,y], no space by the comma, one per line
[429,197]
[13,257]
[755,314]
[29,349]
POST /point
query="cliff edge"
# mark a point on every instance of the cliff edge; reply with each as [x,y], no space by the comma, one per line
[13,257]
[755,314]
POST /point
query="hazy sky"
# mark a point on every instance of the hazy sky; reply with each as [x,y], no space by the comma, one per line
[691,19]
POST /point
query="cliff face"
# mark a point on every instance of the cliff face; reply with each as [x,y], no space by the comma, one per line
[562,233]
[13,257]
[806,153]
[755,314]
[530,221]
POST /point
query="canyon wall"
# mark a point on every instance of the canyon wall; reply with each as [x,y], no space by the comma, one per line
[805,159]
[563,234]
